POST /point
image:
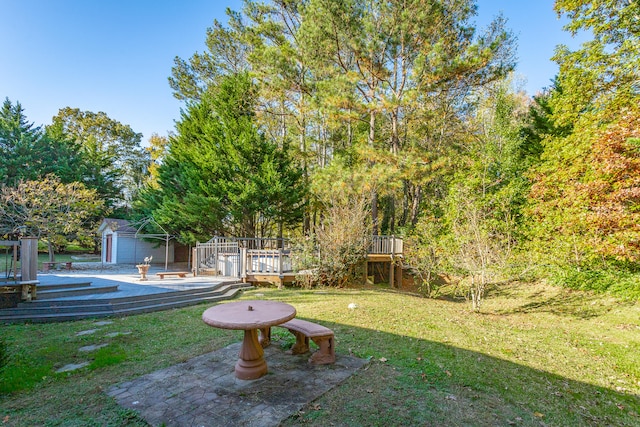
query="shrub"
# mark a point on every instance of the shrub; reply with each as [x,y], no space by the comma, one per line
[617,281]
[336,254]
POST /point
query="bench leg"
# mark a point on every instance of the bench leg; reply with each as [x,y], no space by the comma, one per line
[326,354]
[302,343]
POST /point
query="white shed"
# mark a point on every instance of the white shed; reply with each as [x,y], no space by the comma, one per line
[122,243]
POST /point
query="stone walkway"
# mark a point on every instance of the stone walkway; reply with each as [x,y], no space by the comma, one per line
[205,392]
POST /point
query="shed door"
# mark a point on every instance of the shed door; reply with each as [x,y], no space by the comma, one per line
[109,247]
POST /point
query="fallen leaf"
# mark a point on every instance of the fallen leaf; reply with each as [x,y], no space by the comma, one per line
[448,373]
[451,397]
[383,359]
[621,407]
[538,415]
[316,407]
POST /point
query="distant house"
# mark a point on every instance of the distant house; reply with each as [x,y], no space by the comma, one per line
[123,244]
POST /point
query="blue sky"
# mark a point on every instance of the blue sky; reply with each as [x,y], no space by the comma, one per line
[116,55]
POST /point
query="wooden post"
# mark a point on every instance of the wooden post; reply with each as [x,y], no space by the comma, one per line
[280,269]
[29,258]
[242,263]
[365,272]
[391,273]
[392,267]
[15,261]
[196,263]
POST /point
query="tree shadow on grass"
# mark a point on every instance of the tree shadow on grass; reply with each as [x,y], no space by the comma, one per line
[420,382]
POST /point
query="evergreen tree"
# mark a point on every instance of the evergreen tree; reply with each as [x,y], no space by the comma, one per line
[378,83]
[17,140]
[221,175]
[28,153]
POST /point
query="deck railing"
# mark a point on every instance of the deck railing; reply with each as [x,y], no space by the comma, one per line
[391,245]
[239,257]
[265,262]
[253,243]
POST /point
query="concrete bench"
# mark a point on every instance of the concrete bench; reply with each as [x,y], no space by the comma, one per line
[173,273]
[46,266]
[303,330]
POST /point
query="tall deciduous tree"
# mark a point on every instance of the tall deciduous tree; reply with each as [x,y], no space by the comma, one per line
[49,210]
[586,195]
[477,227]
[115,162]
[157,150]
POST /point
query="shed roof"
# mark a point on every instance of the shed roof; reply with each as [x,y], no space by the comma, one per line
[116,224]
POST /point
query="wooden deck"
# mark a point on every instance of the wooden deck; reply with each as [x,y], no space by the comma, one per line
[270,260]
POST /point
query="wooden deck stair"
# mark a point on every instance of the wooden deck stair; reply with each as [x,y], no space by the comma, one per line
[58,310]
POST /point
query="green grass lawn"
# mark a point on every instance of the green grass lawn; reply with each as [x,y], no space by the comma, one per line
[6,261]
[536,355]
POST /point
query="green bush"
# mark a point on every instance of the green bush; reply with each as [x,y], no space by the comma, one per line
[617,281]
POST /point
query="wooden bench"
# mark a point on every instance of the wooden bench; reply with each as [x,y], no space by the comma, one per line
[303,330]
[173,273]
[46,266]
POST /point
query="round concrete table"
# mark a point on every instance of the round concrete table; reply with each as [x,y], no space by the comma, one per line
[249,316]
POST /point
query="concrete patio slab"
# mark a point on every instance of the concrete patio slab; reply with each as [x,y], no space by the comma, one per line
[205,392]
[129,284]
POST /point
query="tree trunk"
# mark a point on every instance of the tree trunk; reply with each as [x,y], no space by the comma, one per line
[416,197]
[52,255]
[374,191]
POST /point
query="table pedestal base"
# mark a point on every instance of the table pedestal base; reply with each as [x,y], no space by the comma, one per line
[251,364]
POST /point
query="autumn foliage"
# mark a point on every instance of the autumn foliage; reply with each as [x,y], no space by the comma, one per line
[614,192]
[588,197]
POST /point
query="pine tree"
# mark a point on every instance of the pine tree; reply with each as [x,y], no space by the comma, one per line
[17,140]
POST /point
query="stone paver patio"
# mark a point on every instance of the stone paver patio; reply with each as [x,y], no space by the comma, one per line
[205,392]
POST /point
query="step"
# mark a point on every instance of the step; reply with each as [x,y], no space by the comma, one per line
[117,300]
[92,313]
[100,308]
[52,287]
[161,306]
[26,310]
[72,292]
